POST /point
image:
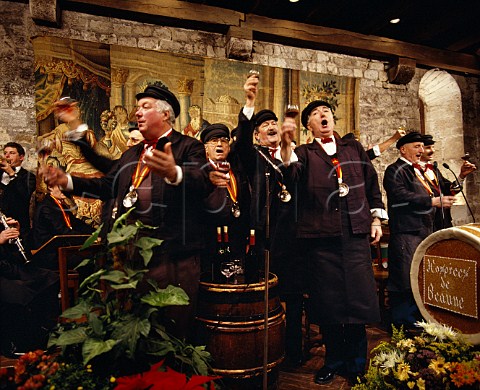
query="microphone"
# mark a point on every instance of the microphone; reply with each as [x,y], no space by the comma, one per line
[435,167]
[461,190]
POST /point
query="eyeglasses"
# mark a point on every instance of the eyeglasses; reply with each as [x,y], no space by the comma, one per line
[214,141]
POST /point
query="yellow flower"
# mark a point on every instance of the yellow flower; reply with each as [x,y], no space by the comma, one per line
[112,379]
[438,365]
[403,371]
[421,384]
[410,384]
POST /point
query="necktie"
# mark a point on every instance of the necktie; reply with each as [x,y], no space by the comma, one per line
[415,165]
[150,143]
[326,140]
[429,166]
[272,151]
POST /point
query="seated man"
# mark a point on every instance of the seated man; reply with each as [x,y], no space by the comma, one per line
[53,217]
[28,299]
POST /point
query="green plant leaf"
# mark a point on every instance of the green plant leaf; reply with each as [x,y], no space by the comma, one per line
[123,218]
[83,263]
[96,324]
[160,348]
[146,244]
[129,330]
[92,239]
[92,347]
[91,279]
[132,284]
[72,336]
[77,311]
[169,296]
[115,276]
[122,234]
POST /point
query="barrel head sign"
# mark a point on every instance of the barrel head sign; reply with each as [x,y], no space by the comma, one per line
[451,284]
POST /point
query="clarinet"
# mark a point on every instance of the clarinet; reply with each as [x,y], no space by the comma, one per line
[16,241]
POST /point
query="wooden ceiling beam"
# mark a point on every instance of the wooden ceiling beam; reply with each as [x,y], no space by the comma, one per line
[364,45]
[345,41]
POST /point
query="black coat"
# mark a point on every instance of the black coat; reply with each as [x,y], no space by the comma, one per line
[333,232]
[176,210]
[411,217]
[256,167]
[15,199]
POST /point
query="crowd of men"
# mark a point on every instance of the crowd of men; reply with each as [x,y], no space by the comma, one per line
[317,209]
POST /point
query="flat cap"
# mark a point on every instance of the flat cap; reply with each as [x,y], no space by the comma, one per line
[312,105]
[215,130]
[262,116]
[408,138]
[428,140]
[161,93]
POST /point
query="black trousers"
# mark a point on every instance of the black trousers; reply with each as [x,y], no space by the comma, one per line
[345,347]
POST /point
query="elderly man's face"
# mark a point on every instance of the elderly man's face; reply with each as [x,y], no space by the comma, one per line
[267,133]
[151,123]
[217,149]
[320,122]
[412,151]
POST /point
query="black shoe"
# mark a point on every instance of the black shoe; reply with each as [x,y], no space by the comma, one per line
[325,375]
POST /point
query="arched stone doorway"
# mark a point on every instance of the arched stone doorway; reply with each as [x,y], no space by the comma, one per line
[440,98]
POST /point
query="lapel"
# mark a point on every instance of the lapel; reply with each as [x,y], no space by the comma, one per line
[317,149]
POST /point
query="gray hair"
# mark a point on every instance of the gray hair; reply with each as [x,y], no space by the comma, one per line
[163,106]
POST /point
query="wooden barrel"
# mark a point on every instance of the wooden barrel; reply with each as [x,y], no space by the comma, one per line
[444,276]
[230,322]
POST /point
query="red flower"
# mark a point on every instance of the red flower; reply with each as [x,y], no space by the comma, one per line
[157,379]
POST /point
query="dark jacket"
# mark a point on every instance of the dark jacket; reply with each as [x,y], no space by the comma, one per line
[15,199]
[176,210]
[409,203]
[315,175]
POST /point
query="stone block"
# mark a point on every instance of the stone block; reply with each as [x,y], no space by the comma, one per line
[239,49]
[371,74]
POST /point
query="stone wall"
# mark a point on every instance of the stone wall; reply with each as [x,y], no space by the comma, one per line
[382,107]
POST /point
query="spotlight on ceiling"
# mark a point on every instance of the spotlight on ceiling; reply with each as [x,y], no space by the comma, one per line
[395,21]
[294,1]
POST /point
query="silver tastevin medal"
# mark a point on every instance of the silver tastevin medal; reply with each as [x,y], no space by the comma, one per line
[343,188]
[236,210]
[284,195]
[130,198]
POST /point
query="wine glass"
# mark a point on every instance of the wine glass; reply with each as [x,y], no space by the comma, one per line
[227,269]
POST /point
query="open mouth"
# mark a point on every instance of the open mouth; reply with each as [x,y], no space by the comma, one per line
[219,150]
[324,122]
[272,132]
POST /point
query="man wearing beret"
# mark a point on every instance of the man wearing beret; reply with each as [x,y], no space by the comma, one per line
[229,203]
[411,208]
[339,212]
[439,184]
[165,186]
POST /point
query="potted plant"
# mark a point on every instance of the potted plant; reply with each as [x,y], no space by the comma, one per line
[117,329]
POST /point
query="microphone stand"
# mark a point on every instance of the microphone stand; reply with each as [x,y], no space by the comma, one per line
[266,276]
[435,165]
[461,190]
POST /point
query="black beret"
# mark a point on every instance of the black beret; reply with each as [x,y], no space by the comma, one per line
[307,110]
[413,136]
[161,93]
[215,130]
[428,140]
[262,116]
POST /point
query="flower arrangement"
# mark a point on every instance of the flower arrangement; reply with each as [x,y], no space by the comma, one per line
[39,370]
[117,330]
[439,358]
